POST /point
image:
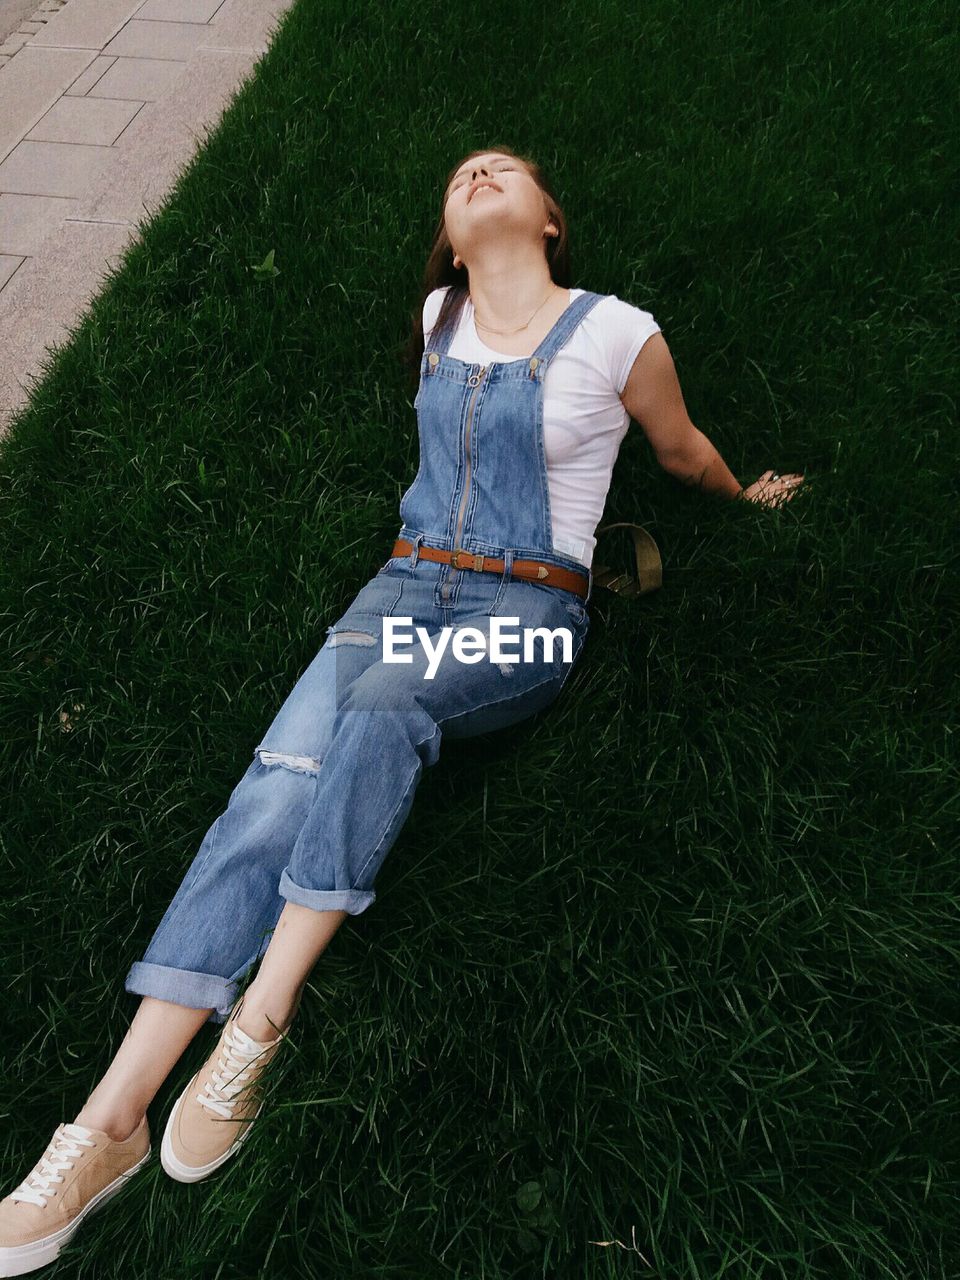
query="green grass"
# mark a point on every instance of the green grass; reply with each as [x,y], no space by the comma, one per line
[682,951]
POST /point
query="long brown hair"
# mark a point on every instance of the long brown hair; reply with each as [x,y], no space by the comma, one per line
[440,270]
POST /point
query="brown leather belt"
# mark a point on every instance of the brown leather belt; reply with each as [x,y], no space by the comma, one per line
[550,574]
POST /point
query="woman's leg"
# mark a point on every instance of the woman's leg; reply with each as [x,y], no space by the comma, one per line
[155,1039]
[227,909]
[219,921]
[210,937]
[221,918]
[161,1030]
[272,999]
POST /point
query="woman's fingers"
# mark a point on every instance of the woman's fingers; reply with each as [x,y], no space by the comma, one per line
[773,493]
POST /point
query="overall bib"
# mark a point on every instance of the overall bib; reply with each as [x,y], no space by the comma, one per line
[333,778]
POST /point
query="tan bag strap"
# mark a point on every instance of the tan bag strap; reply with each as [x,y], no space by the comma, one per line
[649,565]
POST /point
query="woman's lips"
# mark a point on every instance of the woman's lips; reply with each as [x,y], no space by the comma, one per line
[485,186]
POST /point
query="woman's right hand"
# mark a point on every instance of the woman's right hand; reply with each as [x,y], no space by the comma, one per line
[772,493]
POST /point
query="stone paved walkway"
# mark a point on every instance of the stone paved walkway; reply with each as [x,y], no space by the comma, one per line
[101,107]
[20,19]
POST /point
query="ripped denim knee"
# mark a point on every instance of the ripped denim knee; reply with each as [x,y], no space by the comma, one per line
[298,764]
[349,635]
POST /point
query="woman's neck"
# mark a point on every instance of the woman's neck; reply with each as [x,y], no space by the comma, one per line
[507,294]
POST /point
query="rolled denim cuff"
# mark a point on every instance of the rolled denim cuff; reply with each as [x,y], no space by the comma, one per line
[353,901]
[183,986]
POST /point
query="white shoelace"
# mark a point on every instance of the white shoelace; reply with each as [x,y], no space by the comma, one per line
[233,1069]
[60,1154]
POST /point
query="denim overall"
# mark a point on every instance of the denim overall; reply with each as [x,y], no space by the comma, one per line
[333,778]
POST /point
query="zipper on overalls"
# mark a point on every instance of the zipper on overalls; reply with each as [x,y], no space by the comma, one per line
[474,381]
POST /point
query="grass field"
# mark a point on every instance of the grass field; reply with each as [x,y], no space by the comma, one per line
[664,983]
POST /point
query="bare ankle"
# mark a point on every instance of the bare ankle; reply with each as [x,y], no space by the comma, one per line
[264,1017]
[117,1126]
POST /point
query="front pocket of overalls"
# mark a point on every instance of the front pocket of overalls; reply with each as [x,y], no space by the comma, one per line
[393,563]
[377,598]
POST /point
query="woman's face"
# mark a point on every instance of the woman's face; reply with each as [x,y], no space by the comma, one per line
[512,202]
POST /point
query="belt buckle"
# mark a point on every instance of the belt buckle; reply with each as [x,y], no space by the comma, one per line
[475,556]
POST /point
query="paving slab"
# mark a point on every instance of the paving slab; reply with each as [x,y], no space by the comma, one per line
[26,221]
[87,80]
[158,39]
[31,83]
[13,43]
[143,79]
[95,121]
[179,10]
[85,24]
[52,168]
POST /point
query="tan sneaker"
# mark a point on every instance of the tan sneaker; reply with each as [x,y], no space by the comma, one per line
[77,1174]
[216,1110]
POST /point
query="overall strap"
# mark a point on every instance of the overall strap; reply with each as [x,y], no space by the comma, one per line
[562,331]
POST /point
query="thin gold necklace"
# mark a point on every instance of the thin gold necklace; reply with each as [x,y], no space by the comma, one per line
[508,332]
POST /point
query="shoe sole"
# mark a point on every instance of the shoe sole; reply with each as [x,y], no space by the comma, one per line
[196,1173]
[18,1260]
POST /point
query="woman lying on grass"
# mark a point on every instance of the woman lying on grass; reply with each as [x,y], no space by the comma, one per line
[525,391]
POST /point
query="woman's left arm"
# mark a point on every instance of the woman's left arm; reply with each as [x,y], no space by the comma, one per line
[652,396]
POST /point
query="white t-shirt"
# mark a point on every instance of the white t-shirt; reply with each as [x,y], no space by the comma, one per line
[584,421]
